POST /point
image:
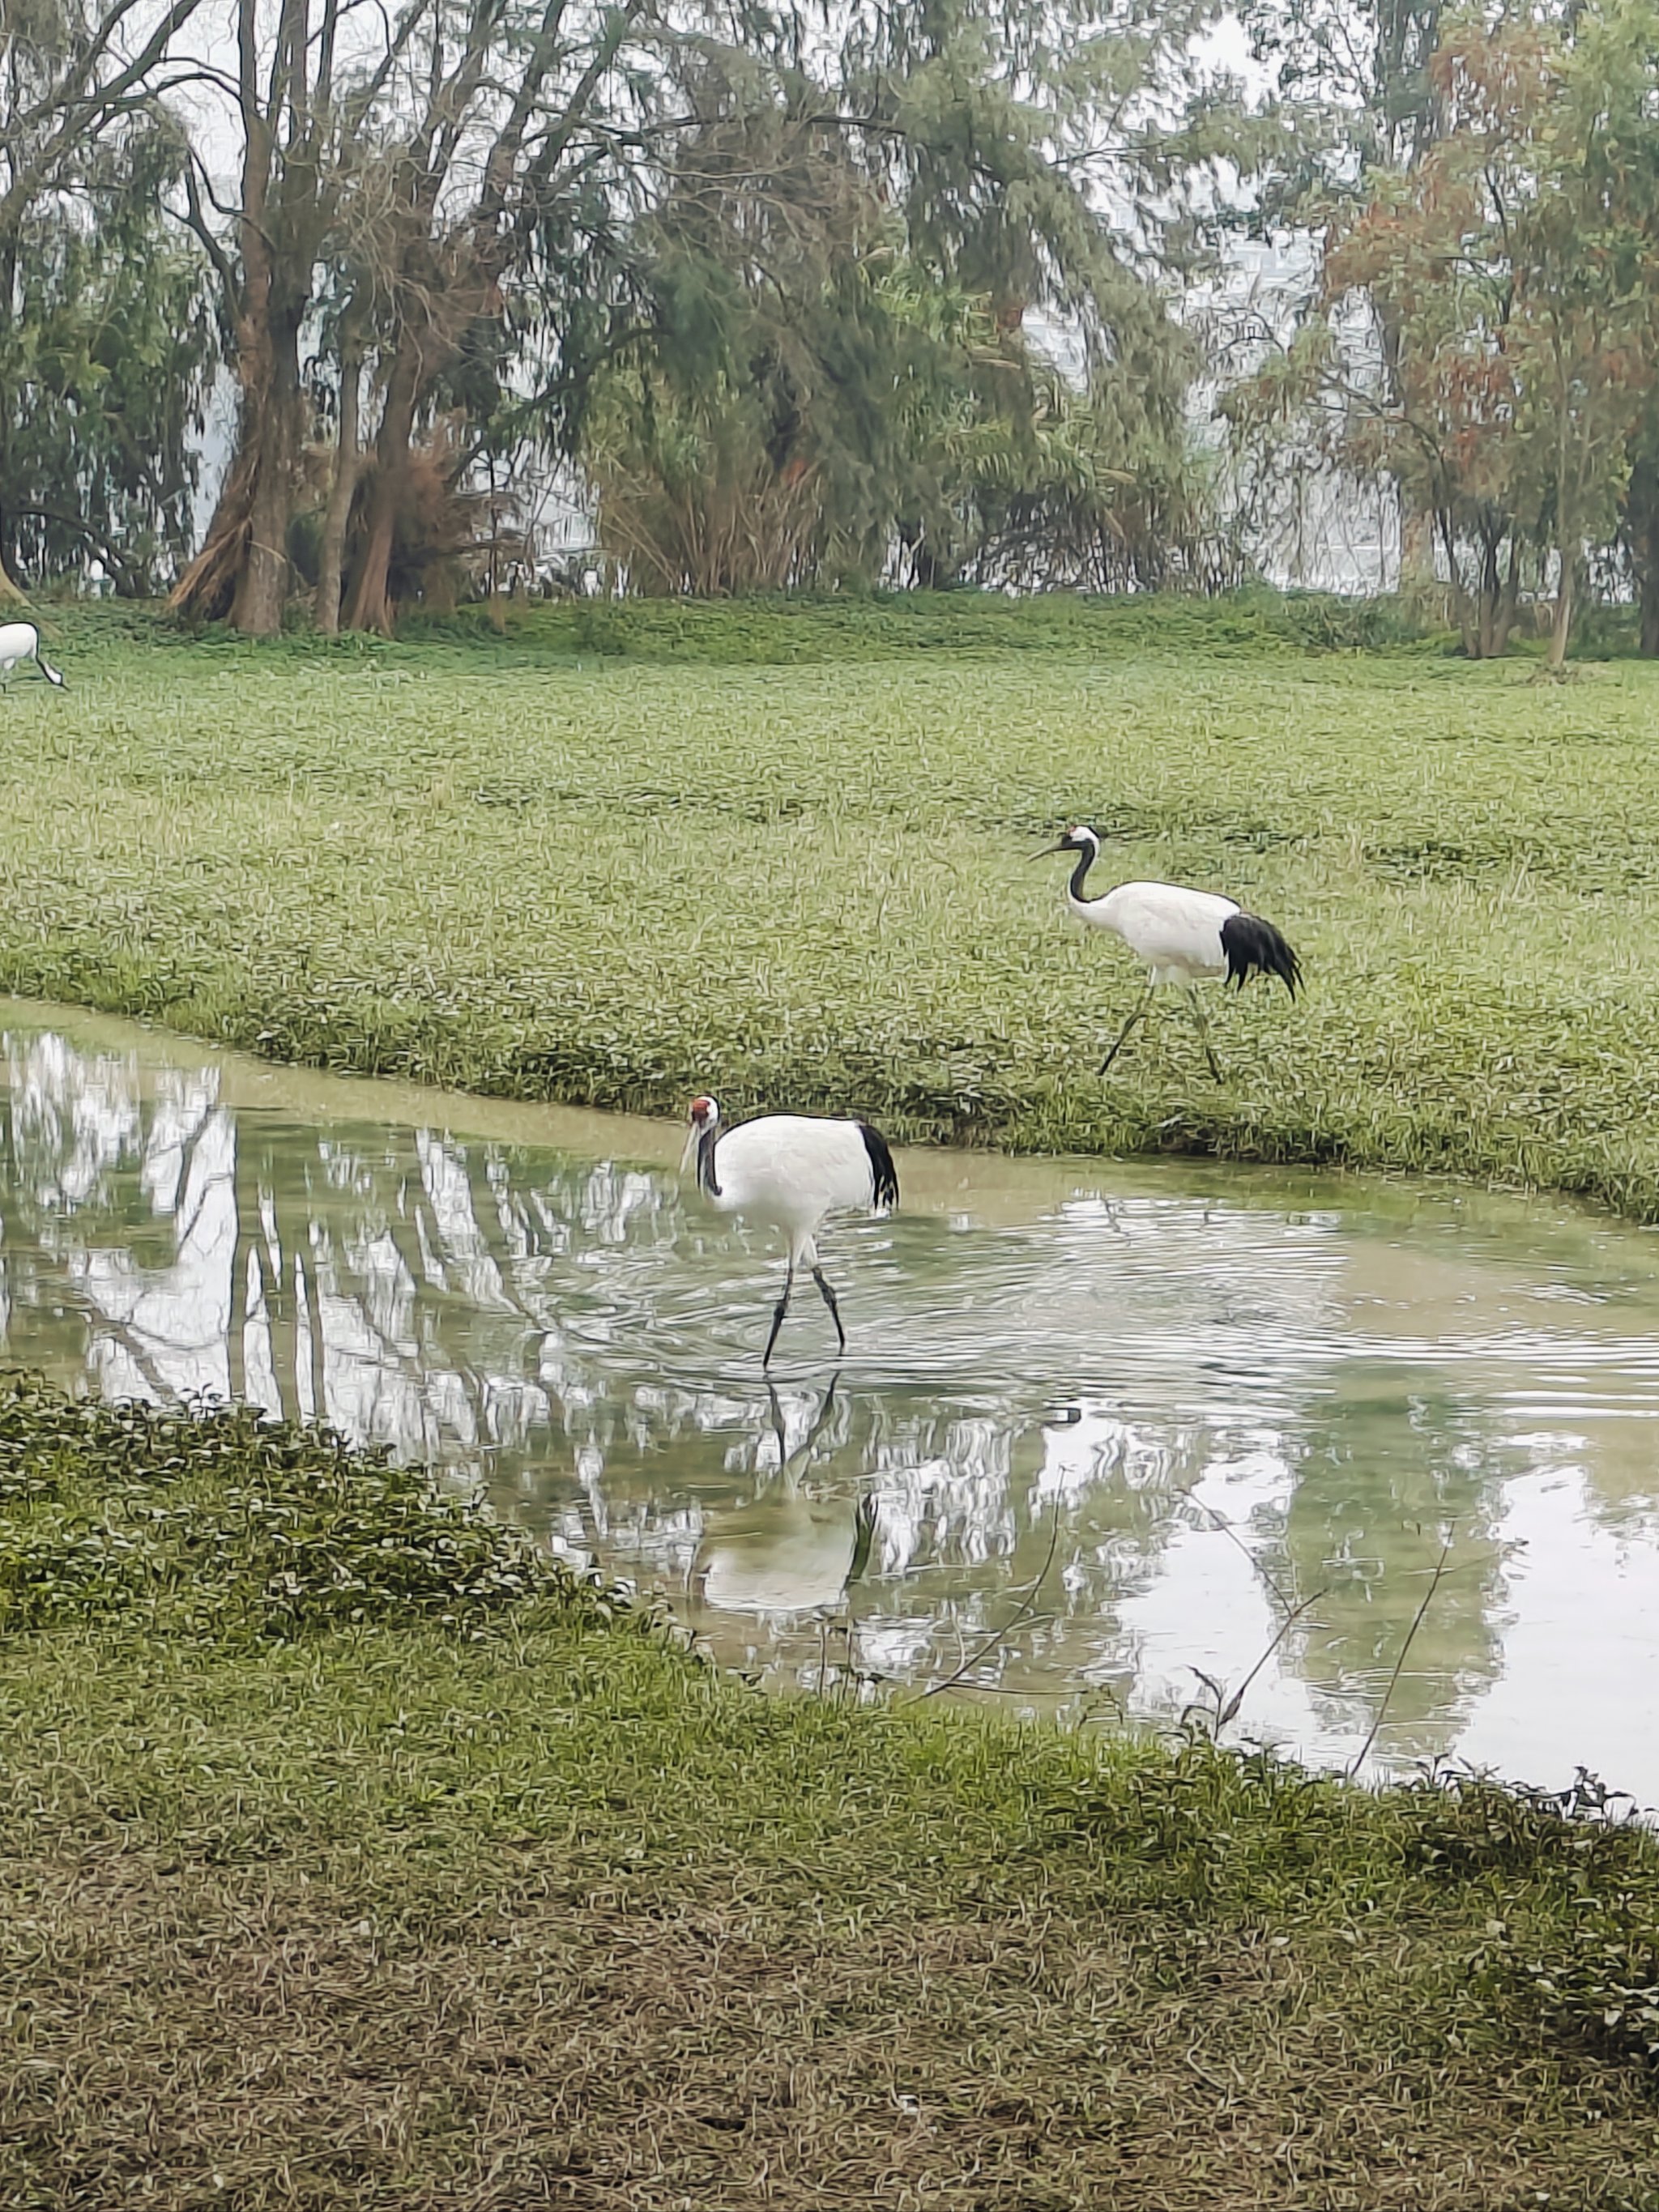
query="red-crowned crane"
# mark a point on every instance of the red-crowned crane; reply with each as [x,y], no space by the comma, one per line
[1181,936]
[789,1171]
[20,640]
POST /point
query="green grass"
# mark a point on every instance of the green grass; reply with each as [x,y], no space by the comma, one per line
[618,855]
[338,1877]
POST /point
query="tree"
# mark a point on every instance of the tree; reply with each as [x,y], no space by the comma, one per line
[824,353]
[1584,331]
[110,357]
[1351,93]
[1515,271]
[1616,76]
[294,119]
[1351,106]
[80,84]
[418,166]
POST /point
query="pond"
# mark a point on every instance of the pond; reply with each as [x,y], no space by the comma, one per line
[1115,1423]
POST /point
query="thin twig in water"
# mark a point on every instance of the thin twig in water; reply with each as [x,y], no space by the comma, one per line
[1008,1626]
[1434,1584]
[1230,1712]
[1233,1537]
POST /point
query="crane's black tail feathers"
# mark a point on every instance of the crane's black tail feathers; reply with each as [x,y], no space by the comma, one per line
[884,1175]
[1249,943]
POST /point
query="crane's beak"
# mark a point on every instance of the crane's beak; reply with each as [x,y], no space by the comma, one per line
[690,1151]
[1047,849]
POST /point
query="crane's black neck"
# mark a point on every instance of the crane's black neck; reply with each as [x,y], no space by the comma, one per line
[1086,860]
[706,1160]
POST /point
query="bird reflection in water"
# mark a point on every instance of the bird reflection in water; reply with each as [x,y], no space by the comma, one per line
[789,1552]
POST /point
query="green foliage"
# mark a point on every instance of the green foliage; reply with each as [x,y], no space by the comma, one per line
[796,629]
[1503,249]
[833,374]
[106,347]
[1559,1891]
[221,1522]
[111,354]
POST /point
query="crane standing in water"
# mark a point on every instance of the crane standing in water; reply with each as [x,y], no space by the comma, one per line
[1180,936]
[789,1171]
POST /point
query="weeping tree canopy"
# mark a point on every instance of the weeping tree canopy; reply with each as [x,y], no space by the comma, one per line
[104,349]
[826,364]
[109,358]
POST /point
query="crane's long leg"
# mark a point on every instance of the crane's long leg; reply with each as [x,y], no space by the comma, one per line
[1203,1020]
[1141,1004]
[778,1313]
[829,1300]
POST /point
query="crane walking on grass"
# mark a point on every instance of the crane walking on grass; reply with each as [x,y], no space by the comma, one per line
[20,640]
[789,1171]
[1180,936]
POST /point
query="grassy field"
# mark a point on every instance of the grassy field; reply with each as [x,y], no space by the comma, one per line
[618,855]
[352,1859]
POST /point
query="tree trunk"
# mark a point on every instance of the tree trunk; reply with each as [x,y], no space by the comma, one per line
[371,603]
[1561,623]
[1486,608]
[332,557]
[1464,605]
[1648,644]
[1639,526]
[1510,598]
[1416,546]
[262,586]
[241,570]
[1490,593]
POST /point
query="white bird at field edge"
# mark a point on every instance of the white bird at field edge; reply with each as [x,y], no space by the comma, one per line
[789,1171]
[20,640]
[1180,936]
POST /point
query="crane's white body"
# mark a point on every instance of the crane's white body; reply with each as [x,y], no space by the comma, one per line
[1181,936]
[788,1171]
[20,640]
[1176,932]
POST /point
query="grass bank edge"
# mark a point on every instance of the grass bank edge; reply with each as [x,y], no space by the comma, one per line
[957,1102]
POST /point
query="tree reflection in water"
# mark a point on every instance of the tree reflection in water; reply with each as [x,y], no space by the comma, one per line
[567,1333]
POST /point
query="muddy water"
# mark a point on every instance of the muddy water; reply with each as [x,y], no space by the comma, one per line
[1113,1423]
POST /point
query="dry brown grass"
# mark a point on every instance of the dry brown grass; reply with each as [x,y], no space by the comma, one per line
[197,2036]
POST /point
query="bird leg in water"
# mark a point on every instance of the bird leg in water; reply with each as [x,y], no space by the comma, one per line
[778,1429]
[804,1450]
[829,1300]
[778,1313]
[1145,1001]
[1203,1020]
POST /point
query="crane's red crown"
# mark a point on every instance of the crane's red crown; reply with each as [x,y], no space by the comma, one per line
[701,1108]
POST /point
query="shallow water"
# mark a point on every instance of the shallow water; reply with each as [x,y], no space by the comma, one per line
[1181,1401]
